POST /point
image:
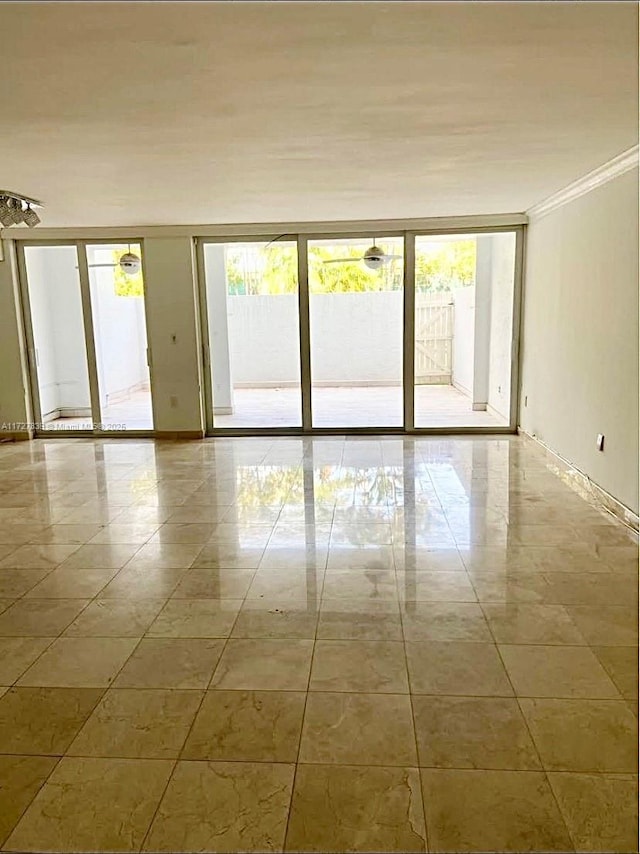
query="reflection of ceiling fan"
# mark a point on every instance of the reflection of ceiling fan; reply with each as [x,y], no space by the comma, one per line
[374,258]
[129,263]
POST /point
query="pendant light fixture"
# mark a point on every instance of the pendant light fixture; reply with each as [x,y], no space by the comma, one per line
[16,209]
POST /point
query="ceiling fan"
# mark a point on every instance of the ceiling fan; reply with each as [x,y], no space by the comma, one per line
[129,263]
[374,257]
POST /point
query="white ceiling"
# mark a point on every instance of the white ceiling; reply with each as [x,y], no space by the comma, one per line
[190,113]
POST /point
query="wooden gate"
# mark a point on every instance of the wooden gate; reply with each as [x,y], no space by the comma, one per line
[434,336]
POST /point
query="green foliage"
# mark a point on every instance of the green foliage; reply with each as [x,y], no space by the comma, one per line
[442,266]
[124,285]
[353,277]
[272,270]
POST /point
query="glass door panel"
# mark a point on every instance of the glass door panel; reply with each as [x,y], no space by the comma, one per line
[464,289]
[356,328]
[120,334]
[59,353]
[254,334]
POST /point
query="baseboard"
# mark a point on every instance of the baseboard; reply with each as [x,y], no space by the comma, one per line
[66,412]
[461,388]
[124,394]
[178,435]
[587,489]
[499,416]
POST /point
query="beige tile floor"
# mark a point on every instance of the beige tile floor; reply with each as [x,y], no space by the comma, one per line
[312,645]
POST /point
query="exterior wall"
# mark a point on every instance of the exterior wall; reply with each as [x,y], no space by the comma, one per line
[121,340]
[464,305]
[264,339]
[580,336]
[353,337]
[500,331]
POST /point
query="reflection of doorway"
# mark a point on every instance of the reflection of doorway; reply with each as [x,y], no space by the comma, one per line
[86,333]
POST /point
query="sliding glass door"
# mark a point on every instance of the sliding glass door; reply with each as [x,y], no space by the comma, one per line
[253,334]
[355,318]
[58,348]
[120,336]
[86,333]
[332,341]
[463,329]
[403,331]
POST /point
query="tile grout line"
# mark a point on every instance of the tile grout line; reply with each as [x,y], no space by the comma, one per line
[528,728]
[306,700]
[181,751]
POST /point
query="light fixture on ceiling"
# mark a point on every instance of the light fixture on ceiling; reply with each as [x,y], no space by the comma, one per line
[16,208]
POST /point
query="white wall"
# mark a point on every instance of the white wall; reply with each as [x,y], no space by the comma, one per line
[356,337]
[120,336]
[580,336]
[173,334]
[353,337]
[264,339]
[503,257]
[464,306]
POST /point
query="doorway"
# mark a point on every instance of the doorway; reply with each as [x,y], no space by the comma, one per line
[86,334]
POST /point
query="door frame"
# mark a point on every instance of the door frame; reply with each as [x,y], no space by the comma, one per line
[302,239]
[89,337]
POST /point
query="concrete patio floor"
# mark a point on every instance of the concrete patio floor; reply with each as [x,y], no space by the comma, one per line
[354,406]
[333,406]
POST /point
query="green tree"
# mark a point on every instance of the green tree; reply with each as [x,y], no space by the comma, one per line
[272,270]
[442,266]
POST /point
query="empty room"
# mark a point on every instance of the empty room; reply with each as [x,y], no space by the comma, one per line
[319,427]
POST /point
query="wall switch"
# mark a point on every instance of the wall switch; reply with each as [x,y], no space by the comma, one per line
[600,442]
[526,399]
[173,402]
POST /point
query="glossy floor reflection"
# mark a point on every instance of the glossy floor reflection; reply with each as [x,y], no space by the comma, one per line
[312,645]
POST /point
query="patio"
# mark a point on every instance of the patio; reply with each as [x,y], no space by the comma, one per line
[354,406]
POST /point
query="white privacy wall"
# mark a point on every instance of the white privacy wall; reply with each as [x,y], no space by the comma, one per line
[120,336]
[580,335]
[503,257]
[464,307]
[354,337]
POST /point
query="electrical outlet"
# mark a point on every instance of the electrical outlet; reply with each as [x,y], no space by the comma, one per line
[600,441]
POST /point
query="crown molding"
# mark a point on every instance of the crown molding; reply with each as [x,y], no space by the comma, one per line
[603,174]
